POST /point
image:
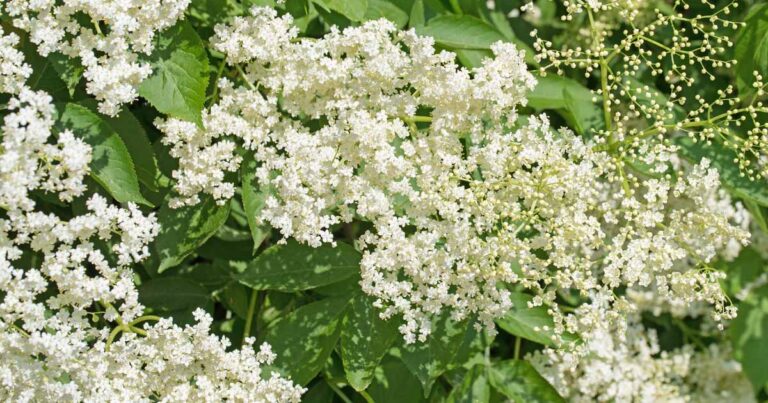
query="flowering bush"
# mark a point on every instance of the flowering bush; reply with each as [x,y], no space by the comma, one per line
[400,200]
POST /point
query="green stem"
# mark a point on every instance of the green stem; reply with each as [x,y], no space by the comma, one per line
[219,71]
[245,77]
[114,334]
[416,119]
[339,392]
[518,344]
[144,318]
[251,313]
[366,396]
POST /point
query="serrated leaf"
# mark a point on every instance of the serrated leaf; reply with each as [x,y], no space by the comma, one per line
[722,159]
[136,141]
[111,164]
[184,229]
[295,267]
[353,9]
[751,48]
[528,323]
[384,9]
[179,73]
[304,339]
[365,338]
[428,360]
[461,32]
[519,381]
[254,199]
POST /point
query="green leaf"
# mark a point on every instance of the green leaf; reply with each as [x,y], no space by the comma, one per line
[393,382]
[44,76]
[304,339]
[365,338]
[184,229]
[428,360]
[722,159]
[473,389]
[179,74]
[111,164]
[70,71]
[174,296]
[570,99]
[235,298]
[416,19]
[472,58]
[295,267]
[749,331]
[501,23]
[384,9]
[519,381]
[254,200]
[355,10]
[751,48]
[580,112]
[217,248]
[461,32]
[528,323]
[136,141]
[749,335]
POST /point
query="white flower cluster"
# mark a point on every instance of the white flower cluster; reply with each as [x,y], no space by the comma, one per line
[626,364]
[465,199]
[13,71]
[108,46]
[70,319]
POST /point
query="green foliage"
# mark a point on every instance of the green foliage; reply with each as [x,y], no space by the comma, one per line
[461,32]
[474,388]
[253,200]
[751,48]
[533,324]
[184,229]
[365,338]
[428,360]
[570,99]
[179,73]
[111,164]
[136,142]
[355,10]
[307,337]
[296,267]
[519,381]
[306,302]
[175,296]
[722,158]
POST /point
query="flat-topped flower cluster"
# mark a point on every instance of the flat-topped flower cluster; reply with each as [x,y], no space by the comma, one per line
[467,200]
[66,296]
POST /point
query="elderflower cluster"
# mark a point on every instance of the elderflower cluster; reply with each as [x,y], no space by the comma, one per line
[465,198]
[71,325]
[106,37]
[13,71]
[677,47]
[626,364]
